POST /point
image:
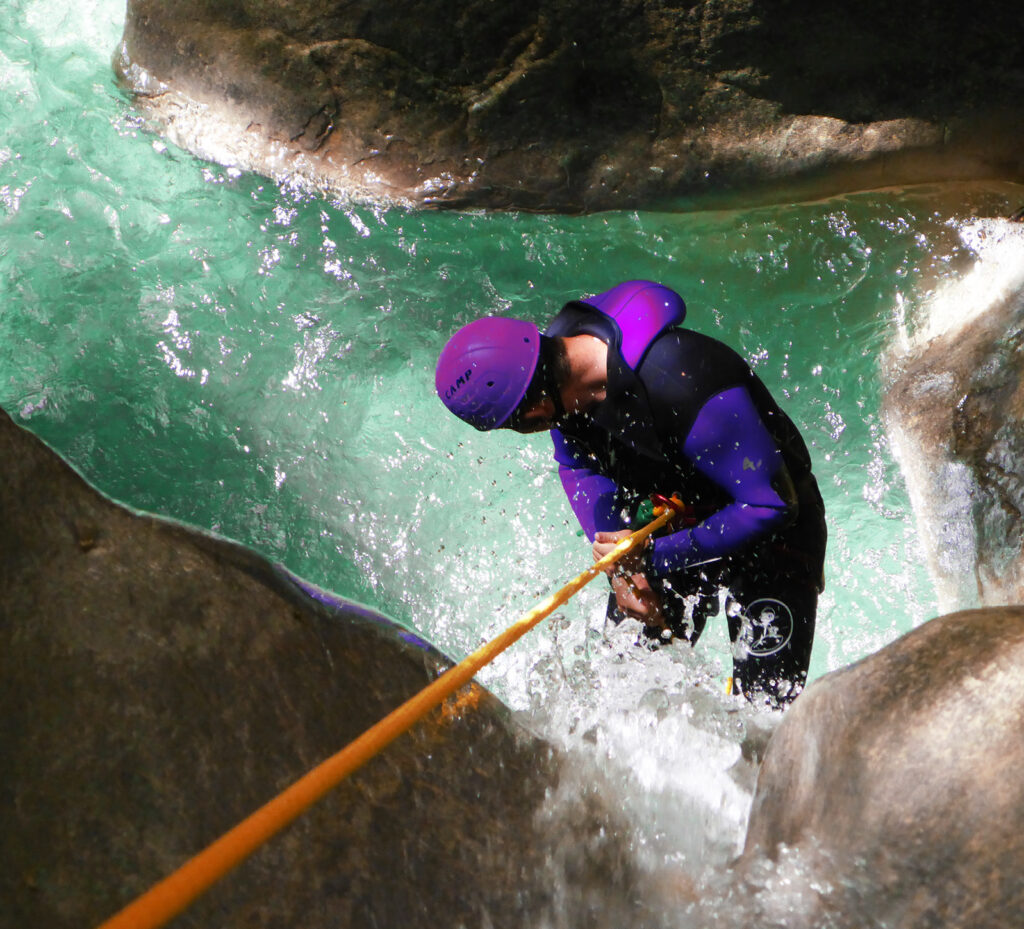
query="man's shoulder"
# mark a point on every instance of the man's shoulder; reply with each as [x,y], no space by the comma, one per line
[687,360]
[682,371]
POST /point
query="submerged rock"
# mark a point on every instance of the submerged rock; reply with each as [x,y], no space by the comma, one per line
[160,684]
[585,105]
[891,795]
[954,411]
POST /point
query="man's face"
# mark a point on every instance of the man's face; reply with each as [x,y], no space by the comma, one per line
[537,418]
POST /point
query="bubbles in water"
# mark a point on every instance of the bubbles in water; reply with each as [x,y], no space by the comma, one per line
[251,358]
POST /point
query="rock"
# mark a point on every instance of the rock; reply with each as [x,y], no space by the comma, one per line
[160,684]
[566,105]
[954,412]
[896,783]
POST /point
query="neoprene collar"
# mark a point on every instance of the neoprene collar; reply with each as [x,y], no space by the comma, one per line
[625,412]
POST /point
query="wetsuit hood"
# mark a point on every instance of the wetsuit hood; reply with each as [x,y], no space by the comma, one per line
[643,310]
[629,318]
[639,310]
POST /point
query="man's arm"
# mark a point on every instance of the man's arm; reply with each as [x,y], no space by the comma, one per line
[593,498]
[592,495]
[729,444]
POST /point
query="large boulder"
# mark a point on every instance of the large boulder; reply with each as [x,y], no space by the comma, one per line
[585,104]
[954,412]
[896,784]
[159,684]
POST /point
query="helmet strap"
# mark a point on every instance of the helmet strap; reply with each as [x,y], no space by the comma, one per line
[548,367]
[543,384]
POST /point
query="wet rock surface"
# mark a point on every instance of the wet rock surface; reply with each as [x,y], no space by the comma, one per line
[160,684]
[895,783]
[954,409]
[563,105]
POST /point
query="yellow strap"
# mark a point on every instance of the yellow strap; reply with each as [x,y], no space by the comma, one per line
[164,900]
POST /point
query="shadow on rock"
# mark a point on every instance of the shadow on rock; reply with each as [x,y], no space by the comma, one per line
[578,106]
[954,412]
[159,684]
[891,794]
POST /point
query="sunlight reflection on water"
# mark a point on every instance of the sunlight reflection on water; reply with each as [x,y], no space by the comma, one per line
[254,359]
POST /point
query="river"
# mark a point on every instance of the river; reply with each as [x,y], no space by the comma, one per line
[256,359]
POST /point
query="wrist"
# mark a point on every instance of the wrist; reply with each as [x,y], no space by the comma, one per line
[647,558]
[639,561]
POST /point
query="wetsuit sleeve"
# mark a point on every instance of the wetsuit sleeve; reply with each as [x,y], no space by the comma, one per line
[592,495]
[729,444]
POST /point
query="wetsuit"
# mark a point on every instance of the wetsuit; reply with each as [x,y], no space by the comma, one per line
[684,414]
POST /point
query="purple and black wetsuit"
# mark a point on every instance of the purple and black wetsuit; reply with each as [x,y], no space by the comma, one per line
[685,414]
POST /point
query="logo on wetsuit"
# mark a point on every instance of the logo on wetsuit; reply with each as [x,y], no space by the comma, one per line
[767,627]
[460,381]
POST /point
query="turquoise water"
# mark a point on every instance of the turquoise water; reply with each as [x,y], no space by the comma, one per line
[258,360]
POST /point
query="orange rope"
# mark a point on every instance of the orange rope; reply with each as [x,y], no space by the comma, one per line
[174,893]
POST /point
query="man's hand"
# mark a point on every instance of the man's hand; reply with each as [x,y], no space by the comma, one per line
[633,593]
[604,542]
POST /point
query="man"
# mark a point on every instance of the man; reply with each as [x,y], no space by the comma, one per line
[637,405]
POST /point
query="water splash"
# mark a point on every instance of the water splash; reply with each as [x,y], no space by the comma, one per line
[249,357]
[996,274]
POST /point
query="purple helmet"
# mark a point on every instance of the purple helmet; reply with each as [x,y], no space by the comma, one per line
[484,370]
